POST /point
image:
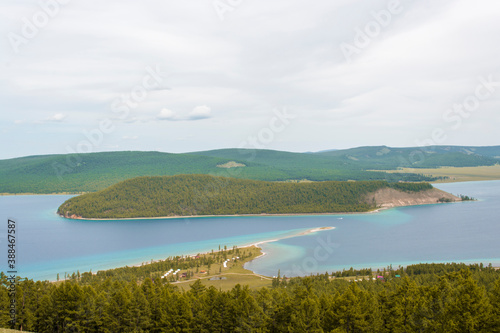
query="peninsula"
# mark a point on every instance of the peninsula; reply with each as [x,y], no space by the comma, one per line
[204,195]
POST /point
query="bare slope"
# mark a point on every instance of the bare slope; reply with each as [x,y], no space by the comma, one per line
[389,197]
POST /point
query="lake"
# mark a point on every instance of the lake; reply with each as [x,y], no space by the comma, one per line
[48,244]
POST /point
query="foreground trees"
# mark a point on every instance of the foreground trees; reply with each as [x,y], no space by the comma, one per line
[453,300]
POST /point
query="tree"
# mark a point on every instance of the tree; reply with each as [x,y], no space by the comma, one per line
[178,315]
[400,308]
[119,308]
[248,316]
[355,310]
[306,317]
[197,289]
[456,304]
[495,303]
[67,301]
[141,312]
[469,309]
[44,316]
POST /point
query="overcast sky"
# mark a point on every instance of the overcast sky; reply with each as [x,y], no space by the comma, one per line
[294,75]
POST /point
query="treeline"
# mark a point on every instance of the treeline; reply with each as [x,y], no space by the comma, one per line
[390,158]
[185,195]
[155,270]
[421,298]
[411,187]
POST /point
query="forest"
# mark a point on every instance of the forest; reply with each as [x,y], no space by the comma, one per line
[418,298]
[188,195]
[90,172]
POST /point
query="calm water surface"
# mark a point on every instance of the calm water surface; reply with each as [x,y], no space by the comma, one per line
[468,232]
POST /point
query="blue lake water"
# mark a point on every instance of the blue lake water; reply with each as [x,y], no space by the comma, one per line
[462,232]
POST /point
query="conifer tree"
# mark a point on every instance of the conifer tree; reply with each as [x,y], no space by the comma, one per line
[355,310]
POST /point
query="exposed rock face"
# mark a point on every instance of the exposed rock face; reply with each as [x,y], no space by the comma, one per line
[70,216]
[231,164]
[388,197]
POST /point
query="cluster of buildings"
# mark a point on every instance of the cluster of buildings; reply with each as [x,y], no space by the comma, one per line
[171,271]
[225,262]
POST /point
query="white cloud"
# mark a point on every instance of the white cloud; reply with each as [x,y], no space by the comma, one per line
[166,114]
[200,112]
[56,118]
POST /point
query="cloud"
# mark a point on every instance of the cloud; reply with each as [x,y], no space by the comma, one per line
[200,112]
[55,118]
[166,114]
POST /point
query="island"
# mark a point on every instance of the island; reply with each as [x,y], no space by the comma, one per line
[205,195]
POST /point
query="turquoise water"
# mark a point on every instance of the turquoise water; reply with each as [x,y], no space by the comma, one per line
[48,244]
[458,232]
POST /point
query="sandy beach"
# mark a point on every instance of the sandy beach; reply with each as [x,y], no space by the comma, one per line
[208,216]
[257,244]
[383,206]
[302,233]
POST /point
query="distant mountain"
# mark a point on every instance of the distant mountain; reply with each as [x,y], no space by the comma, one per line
[327,150]
[91,172]
[387,158]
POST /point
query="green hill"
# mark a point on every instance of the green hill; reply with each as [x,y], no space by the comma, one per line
[93,172]
[186,195]
[76,173]
[388,158]
[351,163]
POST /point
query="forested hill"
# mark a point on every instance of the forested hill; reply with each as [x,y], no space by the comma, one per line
[423,298]
[76,173]
[387,158]
[187,195]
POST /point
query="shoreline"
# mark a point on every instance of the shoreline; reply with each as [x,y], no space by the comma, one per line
[302,233]
[298,234]
[376,210]
[255,244]
[373,211]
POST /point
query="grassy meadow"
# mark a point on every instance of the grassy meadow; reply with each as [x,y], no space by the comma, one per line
[460,174]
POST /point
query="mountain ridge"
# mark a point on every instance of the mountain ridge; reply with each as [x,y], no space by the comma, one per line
[76,173]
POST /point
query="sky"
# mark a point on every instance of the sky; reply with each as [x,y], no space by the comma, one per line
[295,75]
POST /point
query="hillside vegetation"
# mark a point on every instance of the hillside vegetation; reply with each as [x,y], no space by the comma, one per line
[77,173]
[186,195]
[382,157]
[420,298]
